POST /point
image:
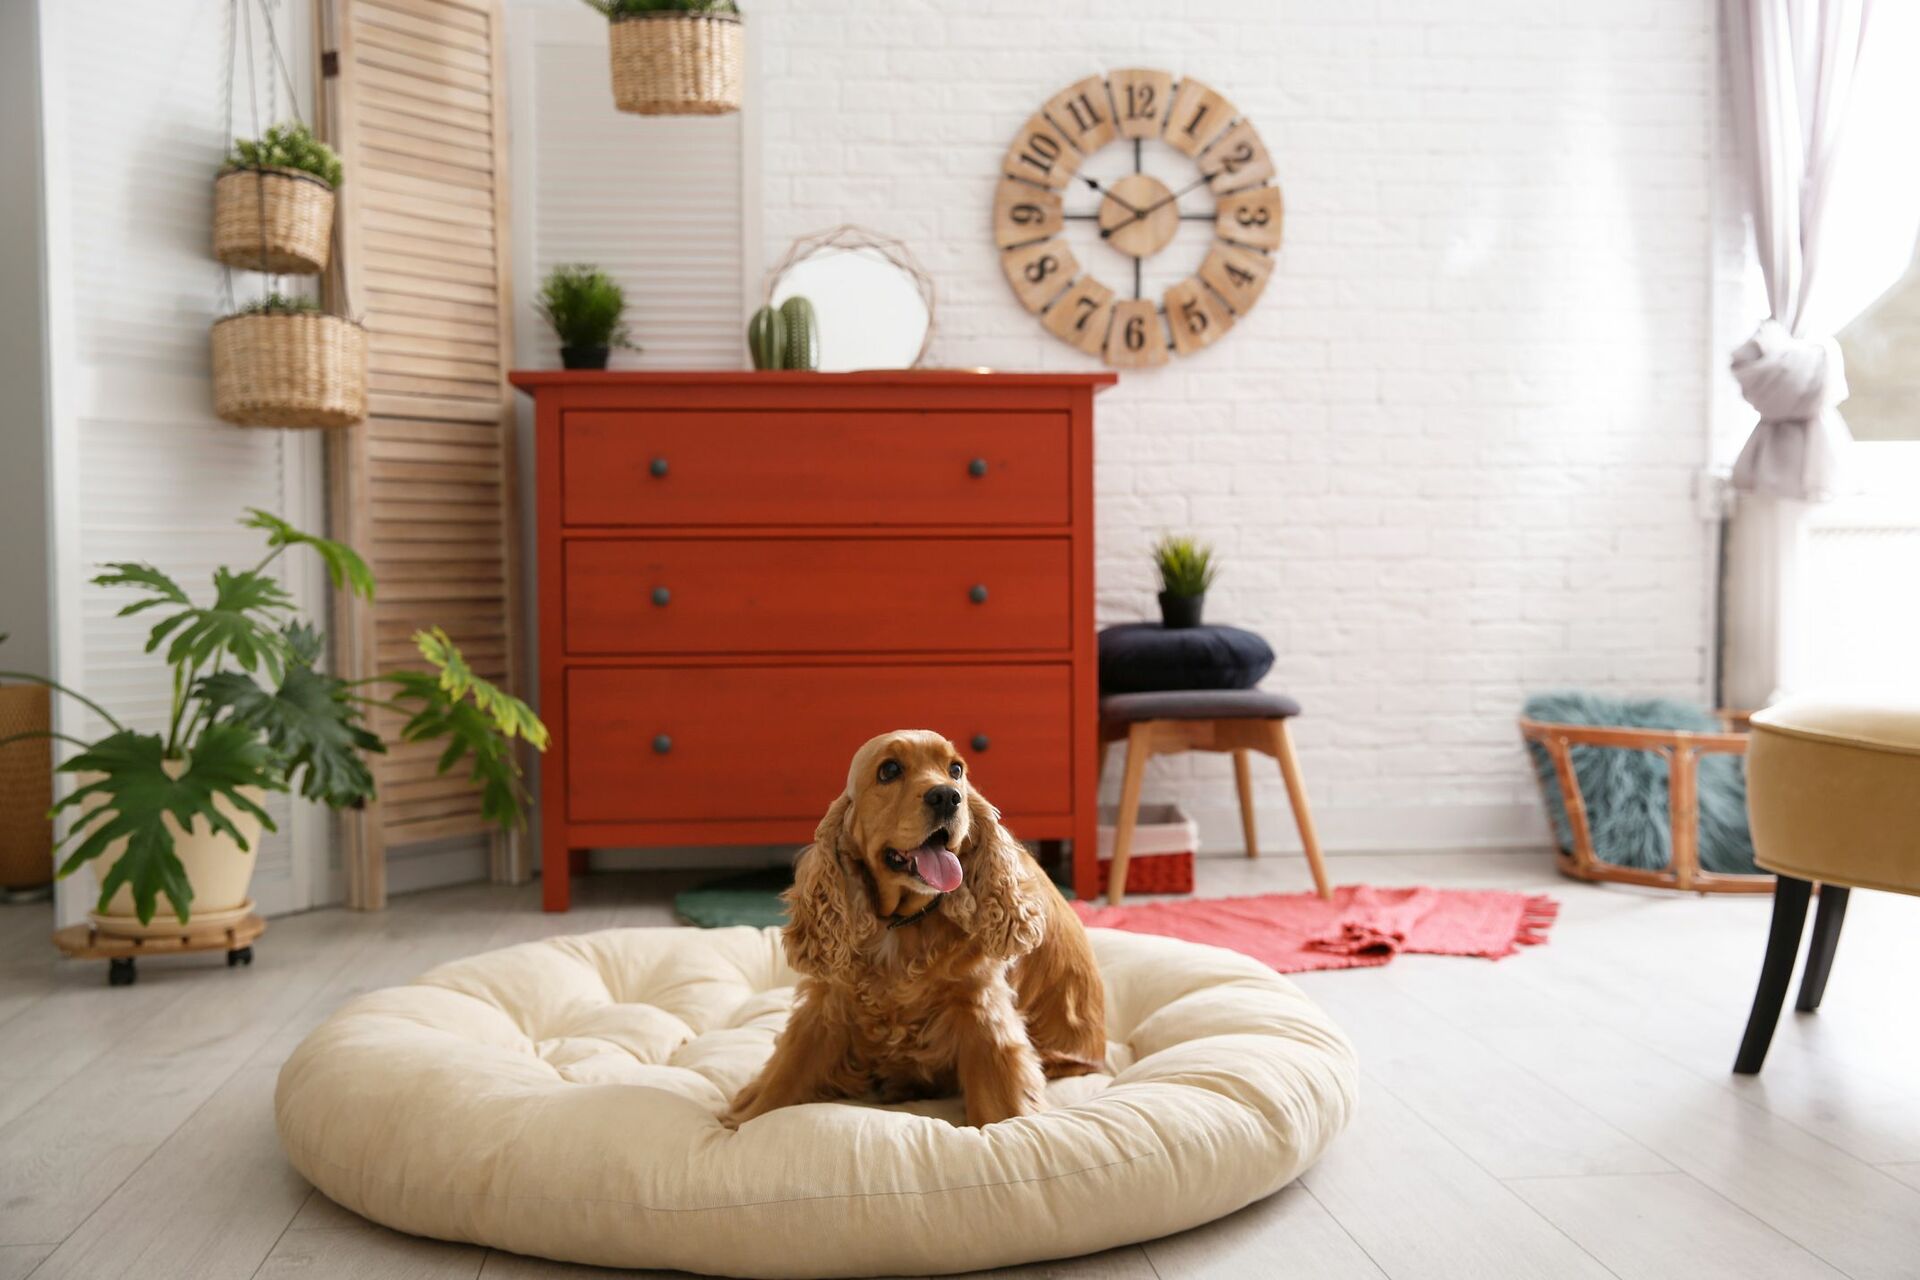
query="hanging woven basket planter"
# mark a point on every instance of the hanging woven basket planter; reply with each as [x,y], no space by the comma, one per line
[676,64]
[304,369]
[273,220]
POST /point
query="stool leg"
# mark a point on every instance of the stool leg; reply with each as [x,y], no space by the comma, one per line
[1776,972]
[1243,780]
[1302,815]
[1139,747]
[1826,936]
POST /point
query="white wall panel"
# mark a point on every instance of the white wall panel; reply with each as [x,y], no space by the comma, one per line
[135,108]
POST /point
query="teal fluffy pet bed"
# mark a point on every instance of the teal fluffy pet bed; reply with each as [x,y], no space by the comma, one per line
[1627,792]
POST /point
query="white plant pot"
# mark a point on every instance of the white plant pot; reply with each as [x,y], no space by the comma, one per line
[217,868]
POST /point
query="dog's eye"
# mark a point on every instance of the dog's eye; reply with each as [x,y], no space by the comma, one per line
[955,769]
[889,770]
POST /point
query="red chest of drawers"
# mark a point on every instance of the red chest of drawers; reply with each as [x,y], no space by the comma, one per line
[744,576]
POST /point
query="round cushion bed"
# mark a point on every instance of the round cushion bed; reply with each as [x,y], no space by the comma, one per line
[562,1098]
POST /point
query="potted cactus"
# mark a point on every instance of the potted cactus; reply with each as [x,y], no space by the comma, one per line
[1186,569]
[585,306]
[177,811]
[784,337]
[674,57]
[273,202]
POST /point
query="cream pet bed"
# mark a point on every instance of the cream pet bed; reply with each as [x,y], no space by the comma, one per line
[561,1098]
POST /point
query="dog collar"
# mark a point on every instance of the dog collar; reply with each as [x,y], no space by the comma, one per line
[895,922]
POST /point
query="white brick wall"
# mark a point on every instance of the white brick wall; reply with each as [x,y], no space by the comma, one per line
[1450,458]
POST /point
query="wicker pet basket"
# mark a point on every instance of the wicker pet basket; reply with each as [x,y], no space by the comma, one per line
[676,64]
[306,370]
[26,789]
[279,221]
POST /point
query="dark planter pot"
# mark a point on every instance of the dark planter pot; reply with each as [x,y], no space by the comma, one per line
[1181,611]
[583,357]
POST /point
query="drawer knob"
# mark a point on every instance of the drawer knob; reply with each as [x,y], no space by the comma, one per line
[981,742]
[658,467]
[662,744]
[979,593]
[977,468]
[661,595]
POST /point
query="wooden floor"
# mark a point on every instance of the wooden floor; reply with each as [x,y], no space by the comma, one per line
[1563,1113]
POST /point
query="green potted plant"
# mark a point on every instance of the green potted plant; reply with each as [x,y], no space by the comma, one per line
[674,57]
[1186,571]
[177,811]
[273,202]
[283,362]
[585,306]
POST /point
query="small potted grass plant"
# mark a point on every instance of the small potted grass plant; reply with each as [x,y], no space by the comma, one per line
[283,362]
[273,202]
[177,810]
[1186,570]
[585,306]
[674,57]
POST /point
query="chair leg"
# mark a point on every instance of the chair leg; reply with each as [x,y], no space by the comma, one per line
[1776,972]
[1826,936]
[1302,815]
[1139,747]
[1243,780]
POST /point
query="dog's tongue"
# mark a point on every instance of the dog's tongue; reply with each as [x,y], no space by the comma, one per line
[937,866]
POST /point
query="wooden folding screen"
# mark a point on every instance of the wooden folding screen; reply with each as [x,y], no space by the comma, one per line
[414,102]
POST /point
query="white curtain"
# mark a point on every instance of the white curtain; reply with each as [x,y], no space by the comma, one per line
[1818,114]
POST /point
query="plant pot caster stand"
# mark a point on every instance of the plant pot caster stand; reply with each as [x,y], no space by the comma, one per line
[86,942]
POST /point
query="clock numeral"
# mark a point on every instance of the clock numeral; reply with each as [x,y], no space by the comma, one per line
[1039,272]
[1236,159]
[1251,217]
[1041,154]
[1083,114]
[1198,318]
[1079,319]
[1137,339]
[1198,116]
[1237,275]
[1140,98]
[1023,212]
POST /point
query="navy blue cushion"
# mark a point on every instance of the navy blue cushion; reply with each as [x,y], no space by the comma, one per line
[1145,657]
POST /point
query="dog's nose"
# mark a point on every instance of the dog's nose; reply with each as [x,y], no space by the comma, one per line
[943,800]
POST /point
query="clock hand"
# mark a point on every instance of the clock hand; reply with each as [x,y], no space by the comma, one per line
[1136,212]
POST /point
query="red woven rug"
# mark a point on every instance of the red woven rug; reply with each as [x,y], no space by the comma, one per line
[1361,927]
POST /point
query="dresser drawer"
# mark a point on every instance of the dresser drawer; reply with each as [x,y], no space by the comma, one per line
[712,743]
[813,468]
[816,595]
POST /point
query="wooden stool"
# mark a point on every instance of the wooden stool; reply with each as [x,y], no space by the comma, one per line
[1237,720]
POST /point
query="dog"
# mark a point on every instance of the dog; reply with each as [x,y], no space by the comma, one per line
[935,953]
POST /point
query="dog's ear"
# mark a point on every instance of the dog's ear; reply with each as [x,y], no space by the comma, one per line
[827,922]
[995,905]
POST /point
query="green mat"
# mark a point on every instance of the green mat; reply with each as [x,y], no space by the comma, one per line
[753,897]
[748,897]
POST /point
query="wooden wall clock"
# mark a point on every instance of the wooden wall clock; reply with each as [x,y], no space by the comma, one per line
[1137,214]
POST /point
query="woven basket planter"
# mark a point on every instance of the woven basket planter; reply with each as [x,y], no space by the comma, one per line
[279,221]
[306,370]
[26,789]
[677,64]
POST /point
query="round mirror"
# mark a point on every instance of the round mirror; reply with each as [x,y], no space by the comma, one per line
[872,300]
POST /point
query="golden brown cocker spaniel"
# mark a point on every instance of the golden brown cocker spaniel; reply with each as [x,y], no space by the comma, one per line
[936,954]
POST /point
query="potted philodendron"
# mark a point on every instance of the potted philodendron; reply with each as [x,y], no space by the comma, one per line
[674,57]
[273,202]
[177,811]
[283,362]
[1186,571]
[585,306]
